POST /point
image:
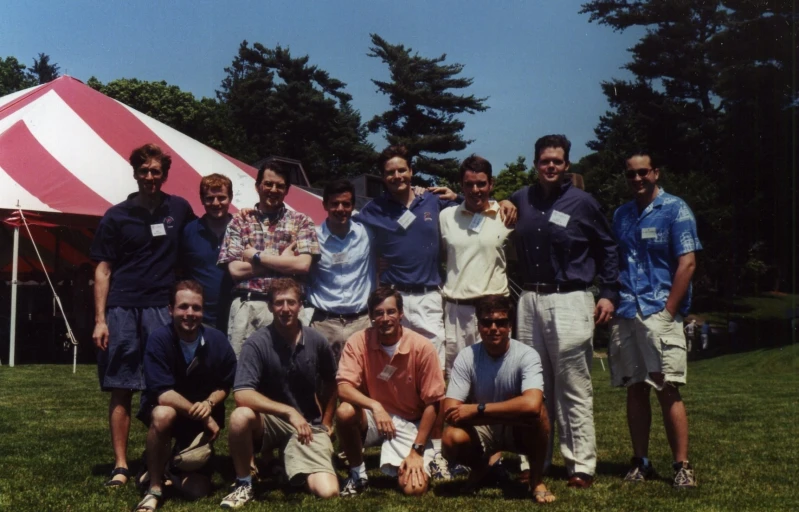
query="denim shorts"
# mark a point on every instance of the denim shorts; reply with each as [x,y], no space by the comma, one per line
[120,366]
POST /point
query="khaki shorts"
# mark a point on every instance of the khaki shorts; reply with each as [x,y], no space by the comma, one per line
[394,451]
[300,460]
[643,345]
[501,438]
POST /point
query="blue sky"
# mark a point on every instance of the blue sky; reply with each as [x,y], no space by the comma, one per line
[539,62]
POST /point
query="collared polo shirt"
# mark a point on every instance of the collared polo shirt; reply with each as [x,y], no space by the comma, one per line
[344,276]
[271,238]
[415,382]
[475,252]
[142,248]
[165,369]
[199,251]
[412,253]
[285,373]
[650,244]
[564,239]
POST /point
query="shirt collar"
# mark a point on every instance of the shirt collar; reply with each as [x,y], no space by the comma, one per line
[493,208]
[403,344]
[323,233]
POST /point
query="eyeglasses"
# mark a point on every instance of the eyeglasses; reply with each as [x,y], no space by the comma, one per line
[501,323]
[632,173]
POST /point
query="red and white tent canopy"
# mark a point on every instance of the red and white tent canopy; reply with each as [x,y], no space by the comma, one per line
[64,151]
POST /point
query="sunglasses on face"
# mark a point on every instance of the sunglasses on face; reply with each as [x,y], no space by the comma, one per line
[632,173]
[501,323]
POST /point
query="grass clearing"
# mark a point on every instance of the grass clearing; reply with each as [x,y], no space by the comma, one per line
[55,451]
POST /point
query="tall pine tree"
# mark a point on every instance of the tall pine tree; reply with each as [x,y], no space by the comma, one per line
[424,107]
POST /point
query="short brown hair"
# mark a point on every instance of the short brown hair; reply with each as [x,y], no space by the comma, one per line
[494,304]
[476,164]
[187,284]
[284,284]
[215,181]
[381,294]
[145,153]
[392,152]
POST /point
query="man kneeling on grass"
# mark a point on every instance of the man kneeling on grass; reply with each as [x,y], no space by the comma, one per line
[495,400]
[390,384]
[188,371]
[281,367]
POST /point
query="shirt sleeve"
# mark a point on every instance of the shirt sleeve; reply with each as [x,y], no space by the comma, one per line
[307,243]
[250,365]
[605,252]
[460,381]
[158,376]
[232,247]
[532,371]
[104,245]
[684,238]
[350,366]
[431,387]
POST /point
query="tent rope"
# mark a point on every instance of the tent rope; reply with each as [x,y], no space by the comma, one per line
[70,335]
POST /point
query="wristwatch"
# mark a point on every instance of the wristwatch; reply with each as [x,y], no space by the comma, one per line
[481,409]
[256,258]
[211,403]
[418,448]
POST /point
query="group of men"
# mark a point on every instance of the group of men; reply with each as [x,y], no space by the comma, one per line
[386,329]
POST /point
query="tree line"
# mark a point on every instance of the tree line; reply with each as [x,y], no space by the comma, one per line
[713,100]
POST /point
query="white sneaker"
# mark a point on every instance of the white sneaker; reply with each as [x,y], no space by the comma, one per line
[239,497]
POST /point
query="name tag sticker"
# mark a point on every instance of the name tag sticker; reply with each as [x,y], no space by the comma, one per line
[477,223]
[158,229]
[649,233]
[339,258]
[559,218]
[387,372]
[406,219]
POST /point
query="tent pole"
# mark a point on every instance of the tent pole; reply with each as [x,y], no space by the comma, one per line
[13,320]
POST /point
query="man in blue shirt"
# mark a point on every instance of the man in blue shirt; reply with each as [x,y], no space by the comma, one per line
[562,242]
[344,276]
[199,249]
[189,370]
[136,247]
[657,244]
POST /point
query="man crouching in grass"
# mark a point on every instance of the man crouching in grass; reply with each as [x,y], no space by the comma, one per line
[188,372]
[281,367]
[390,384]
[503,382]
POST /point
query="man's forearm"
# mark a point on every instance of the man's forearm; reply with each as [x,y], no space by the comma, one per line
[218,396]
[241,270]
[176,401]
[681,282]
[350,394]
[259,403]
[102,282]
[426,423]
[299,264]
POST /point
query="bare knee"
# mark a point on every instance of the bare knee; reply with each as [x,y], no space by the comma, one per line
[453,441]
[241,419]
[162,418]
[409,490]
[323,485]
[346,414]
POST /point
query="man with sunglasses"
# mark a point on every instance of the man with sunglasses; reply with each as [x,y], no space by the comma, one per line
[563,242]
[658,241]
[495,400]
[268,243]
[136,247]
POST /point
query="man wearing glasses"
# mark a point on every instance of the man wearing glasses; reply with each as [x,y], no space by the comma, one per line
[562,242]
[136,247]
[658,241]
[495,400]
[269,243]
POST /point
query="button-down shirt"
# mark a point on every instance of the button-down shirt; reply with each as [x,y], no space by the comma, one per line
[285,372]
[269,237]
[199,251]
[412,253]
[650,245]
[344,276]
[564,239]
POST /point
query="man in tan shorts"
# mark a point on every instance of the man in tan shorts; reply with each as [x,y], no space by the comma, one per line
[280,369]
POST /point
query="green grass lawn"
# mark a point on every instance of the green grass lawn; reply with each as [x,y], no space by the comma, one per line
[743,411]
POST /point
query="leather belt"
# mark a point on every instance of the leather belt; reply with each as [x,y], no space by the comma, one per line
[463,302]
[413,288]
[339,316]
[554,287]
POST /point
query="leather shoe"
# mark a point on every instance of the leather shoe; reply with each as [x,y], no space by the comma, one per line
[524,476]
[580,481]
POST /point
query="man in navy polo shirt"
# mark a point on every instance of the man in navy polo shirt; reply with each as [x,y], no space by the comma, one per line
[189,370]
[199,249]
[562,242]
[136,247]
[658,241]
[344,275]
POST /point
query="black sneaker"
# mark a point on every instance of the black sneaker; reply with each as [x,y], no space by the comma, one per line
[354,487]
[684,477]
[639,472]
